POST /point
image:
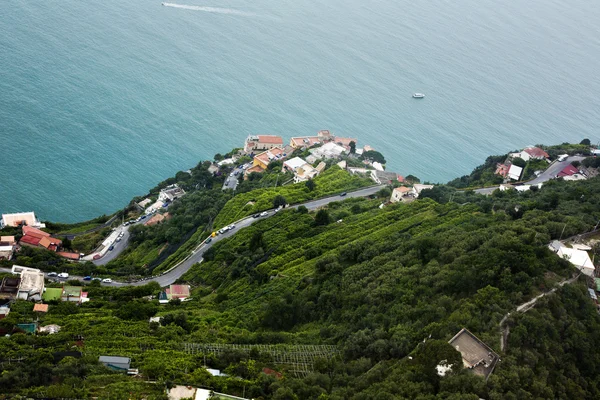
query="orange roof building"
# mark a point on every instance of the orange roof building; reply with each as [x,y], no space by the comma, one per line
[257,168]
[69,255]
[304,142]
[50,243]
[255,143]
[40,307]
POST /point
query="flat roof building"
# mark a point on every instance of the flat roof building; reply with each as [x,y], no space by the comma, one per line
[476,355]
[23,218]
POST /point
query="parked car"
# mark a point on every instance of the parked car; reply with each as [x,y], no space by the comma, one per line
[96,279]
[111,248]
[118,239]
[87,278]
[63,275]
[230,227]
[143,217]
[97,257]
[106,280]
[256,216]
[343,194]
[264,214]
[52,274]
[208,240]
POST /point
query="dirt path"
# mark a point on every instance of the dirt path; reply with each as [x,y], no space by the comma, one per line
[528,305]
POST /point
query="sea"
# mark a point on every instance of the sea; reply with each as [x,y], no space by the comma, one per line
[101,100]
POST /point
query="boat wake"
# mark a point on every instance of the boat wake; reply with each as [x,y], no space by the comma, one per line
[216,10]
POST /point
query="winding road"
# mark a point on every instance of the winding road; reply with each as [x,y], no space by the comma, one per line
[184,266]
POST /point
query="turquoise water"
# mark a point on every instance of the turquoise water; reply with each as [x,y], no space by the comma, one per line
[100,100]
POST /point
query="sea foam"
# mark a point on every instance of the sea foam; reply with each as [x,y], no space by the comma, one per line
[216,10]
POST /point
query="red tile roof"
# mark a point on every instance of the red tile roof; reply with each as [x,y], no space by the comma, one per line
[270,139]
[179,291]
[27,230]
[28,239]
[536,152]
[40,307]
[70,256]
[50,243]
[568,171]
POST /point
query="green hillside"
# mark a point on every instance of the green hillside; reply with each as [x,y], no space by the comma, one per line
[352,302]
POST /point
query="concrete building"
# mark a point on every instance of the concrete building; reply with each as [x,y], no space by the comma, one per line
[263,159]
[418,188]
[328,150]
[514,172]
[305,142]
[476,355]
[402,193]
[302,170]
[256,143]
[17,219]
[31,286]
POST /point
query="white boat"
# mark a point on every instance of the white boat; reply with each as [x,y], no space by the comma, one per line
[418,95]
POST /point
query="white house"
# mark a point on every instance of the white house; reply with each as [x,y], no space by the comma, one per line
[302,170]
[401,193]
[328,150]
[515,172]
[579,258]
[24,218]
[418,188]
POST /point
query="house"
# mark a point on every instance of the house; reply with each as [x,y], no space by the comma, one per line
[18,219]
[257,168]
[418,188]
[502,169]
[157,218]
[255,143]
[579,258]
[305,142]
[514,172]
[328,150]
[71,293]
[31,286]
[115,363]
[50,243]
[567,171]
[402,193]
[476,355]
[180,292]
[302,170]
[534,153]
[9,287]
[144,203]
[342,164]
[32,237]
[6,252]
[345,142]
[170,193]
[213,168]
[293,164]
[7,241]
[263,159]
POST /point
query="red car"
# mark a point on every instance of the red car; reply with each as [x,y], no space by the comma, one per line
[97,256]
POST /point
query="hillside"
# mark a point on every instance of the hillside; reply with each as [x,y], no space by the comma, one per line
[374,283]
